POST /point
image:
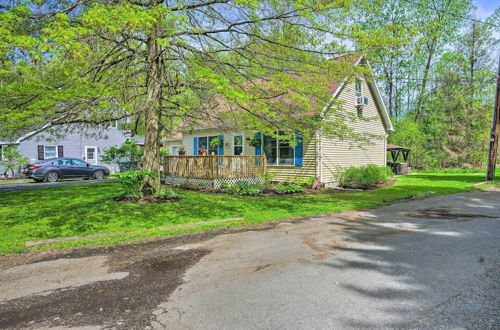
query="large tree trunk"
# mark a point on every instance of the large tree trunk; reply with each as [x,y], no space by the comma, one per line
[152,114]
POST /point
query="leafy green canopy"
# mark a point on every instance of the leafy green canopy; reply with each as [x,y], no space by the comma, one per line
[92,61]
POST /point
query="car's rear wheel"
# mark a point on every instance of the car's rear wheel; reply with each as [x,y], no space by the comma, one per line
[99,175]
[51,177]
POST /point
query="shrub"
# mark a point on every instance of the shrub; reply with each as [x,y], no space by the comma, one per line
[134,183]
[224,185]
[12,160]
[127,156]
[267,182]
[244,188]
[288,188]
[188,186]
[362,177]
[165,193]
[306,182]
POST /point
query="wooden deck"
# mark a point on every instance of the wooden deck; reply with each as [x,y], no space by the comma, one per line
[215,167]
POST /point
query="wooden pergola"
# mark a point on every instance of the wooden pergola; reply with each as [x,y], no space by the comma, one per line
[397,151]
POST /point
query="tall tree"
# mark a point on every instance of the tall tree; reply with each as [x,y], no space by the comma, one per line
[163,61]
[390,63]
[439,22]
[458,108]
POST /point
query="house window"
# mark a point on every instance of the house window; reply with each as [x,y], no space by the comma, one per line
[91,154]
[238,145]
[359,98]
[204,143]
[175,150]
[359,88]
[49,152]
[278,152]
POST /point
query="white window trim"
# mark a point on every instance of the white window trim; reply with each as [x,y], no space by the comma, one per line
[113,124]
[277,152]
[242,142]
[361,85]
[96,154]
[355,91]
[45,154]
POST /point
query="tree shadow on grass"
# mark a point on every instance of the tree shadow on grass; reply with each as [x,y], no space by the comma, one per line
[89,209]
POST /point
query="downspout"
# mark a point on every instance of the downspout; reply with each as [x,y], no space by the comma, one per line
[319,155]
[385,149]
[316,145]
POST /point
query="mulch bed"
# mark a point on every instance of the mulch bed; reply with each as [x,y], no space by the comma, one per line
[307,192]
[145,200]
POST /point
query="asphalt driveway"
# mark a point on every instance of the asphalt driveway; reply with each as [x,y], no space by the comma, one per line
[35,185]
[432,263]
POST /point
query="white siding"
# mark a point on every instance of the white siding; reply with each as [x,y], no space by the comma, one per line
[340,154]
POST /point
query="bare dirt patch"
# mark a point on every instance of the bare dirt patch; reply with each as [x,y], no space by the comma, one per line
[322,251]
[124,303]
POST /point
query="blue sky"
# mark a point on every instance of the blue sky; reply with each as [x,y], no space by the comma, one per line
[485,7]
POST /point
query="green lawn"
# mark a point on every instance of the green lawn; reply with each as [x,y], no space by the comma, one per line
[87,209]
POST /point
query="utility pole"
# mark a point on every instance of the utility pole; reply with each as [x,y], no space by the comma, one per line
[495,126]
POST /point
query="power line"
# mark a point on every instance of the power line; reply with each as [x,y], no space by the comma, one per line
[439,80]
[453,14]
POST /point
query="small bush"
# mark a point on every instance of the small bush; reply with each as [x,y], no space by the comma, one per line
[288,188]
[306,182]
[189,186]
[267,182]
[134,183]
[244,188]
[362,177]
[165,193]
[224,185]
[127,156]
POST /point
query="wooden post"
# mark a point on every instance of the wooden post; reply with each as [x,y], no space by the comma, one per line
[492,155]
[213,165]
[166,165]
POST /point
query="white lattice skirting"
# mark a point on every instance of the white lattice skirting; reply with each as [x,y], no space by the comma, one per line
[208,183]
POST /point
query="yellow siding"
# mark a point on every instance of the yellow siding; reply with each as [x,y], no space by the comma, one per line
[169,144]
[188,138]
[307,169]
[280,172]
[340,154]
[335,154]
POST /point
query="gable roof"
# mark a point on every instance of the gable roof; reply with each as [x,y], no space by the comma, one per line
[372,84]
[334,88]
[32,133]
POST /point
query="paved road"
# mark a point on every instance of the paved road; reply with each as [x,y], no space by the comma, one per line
[432,263]
[35,185]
